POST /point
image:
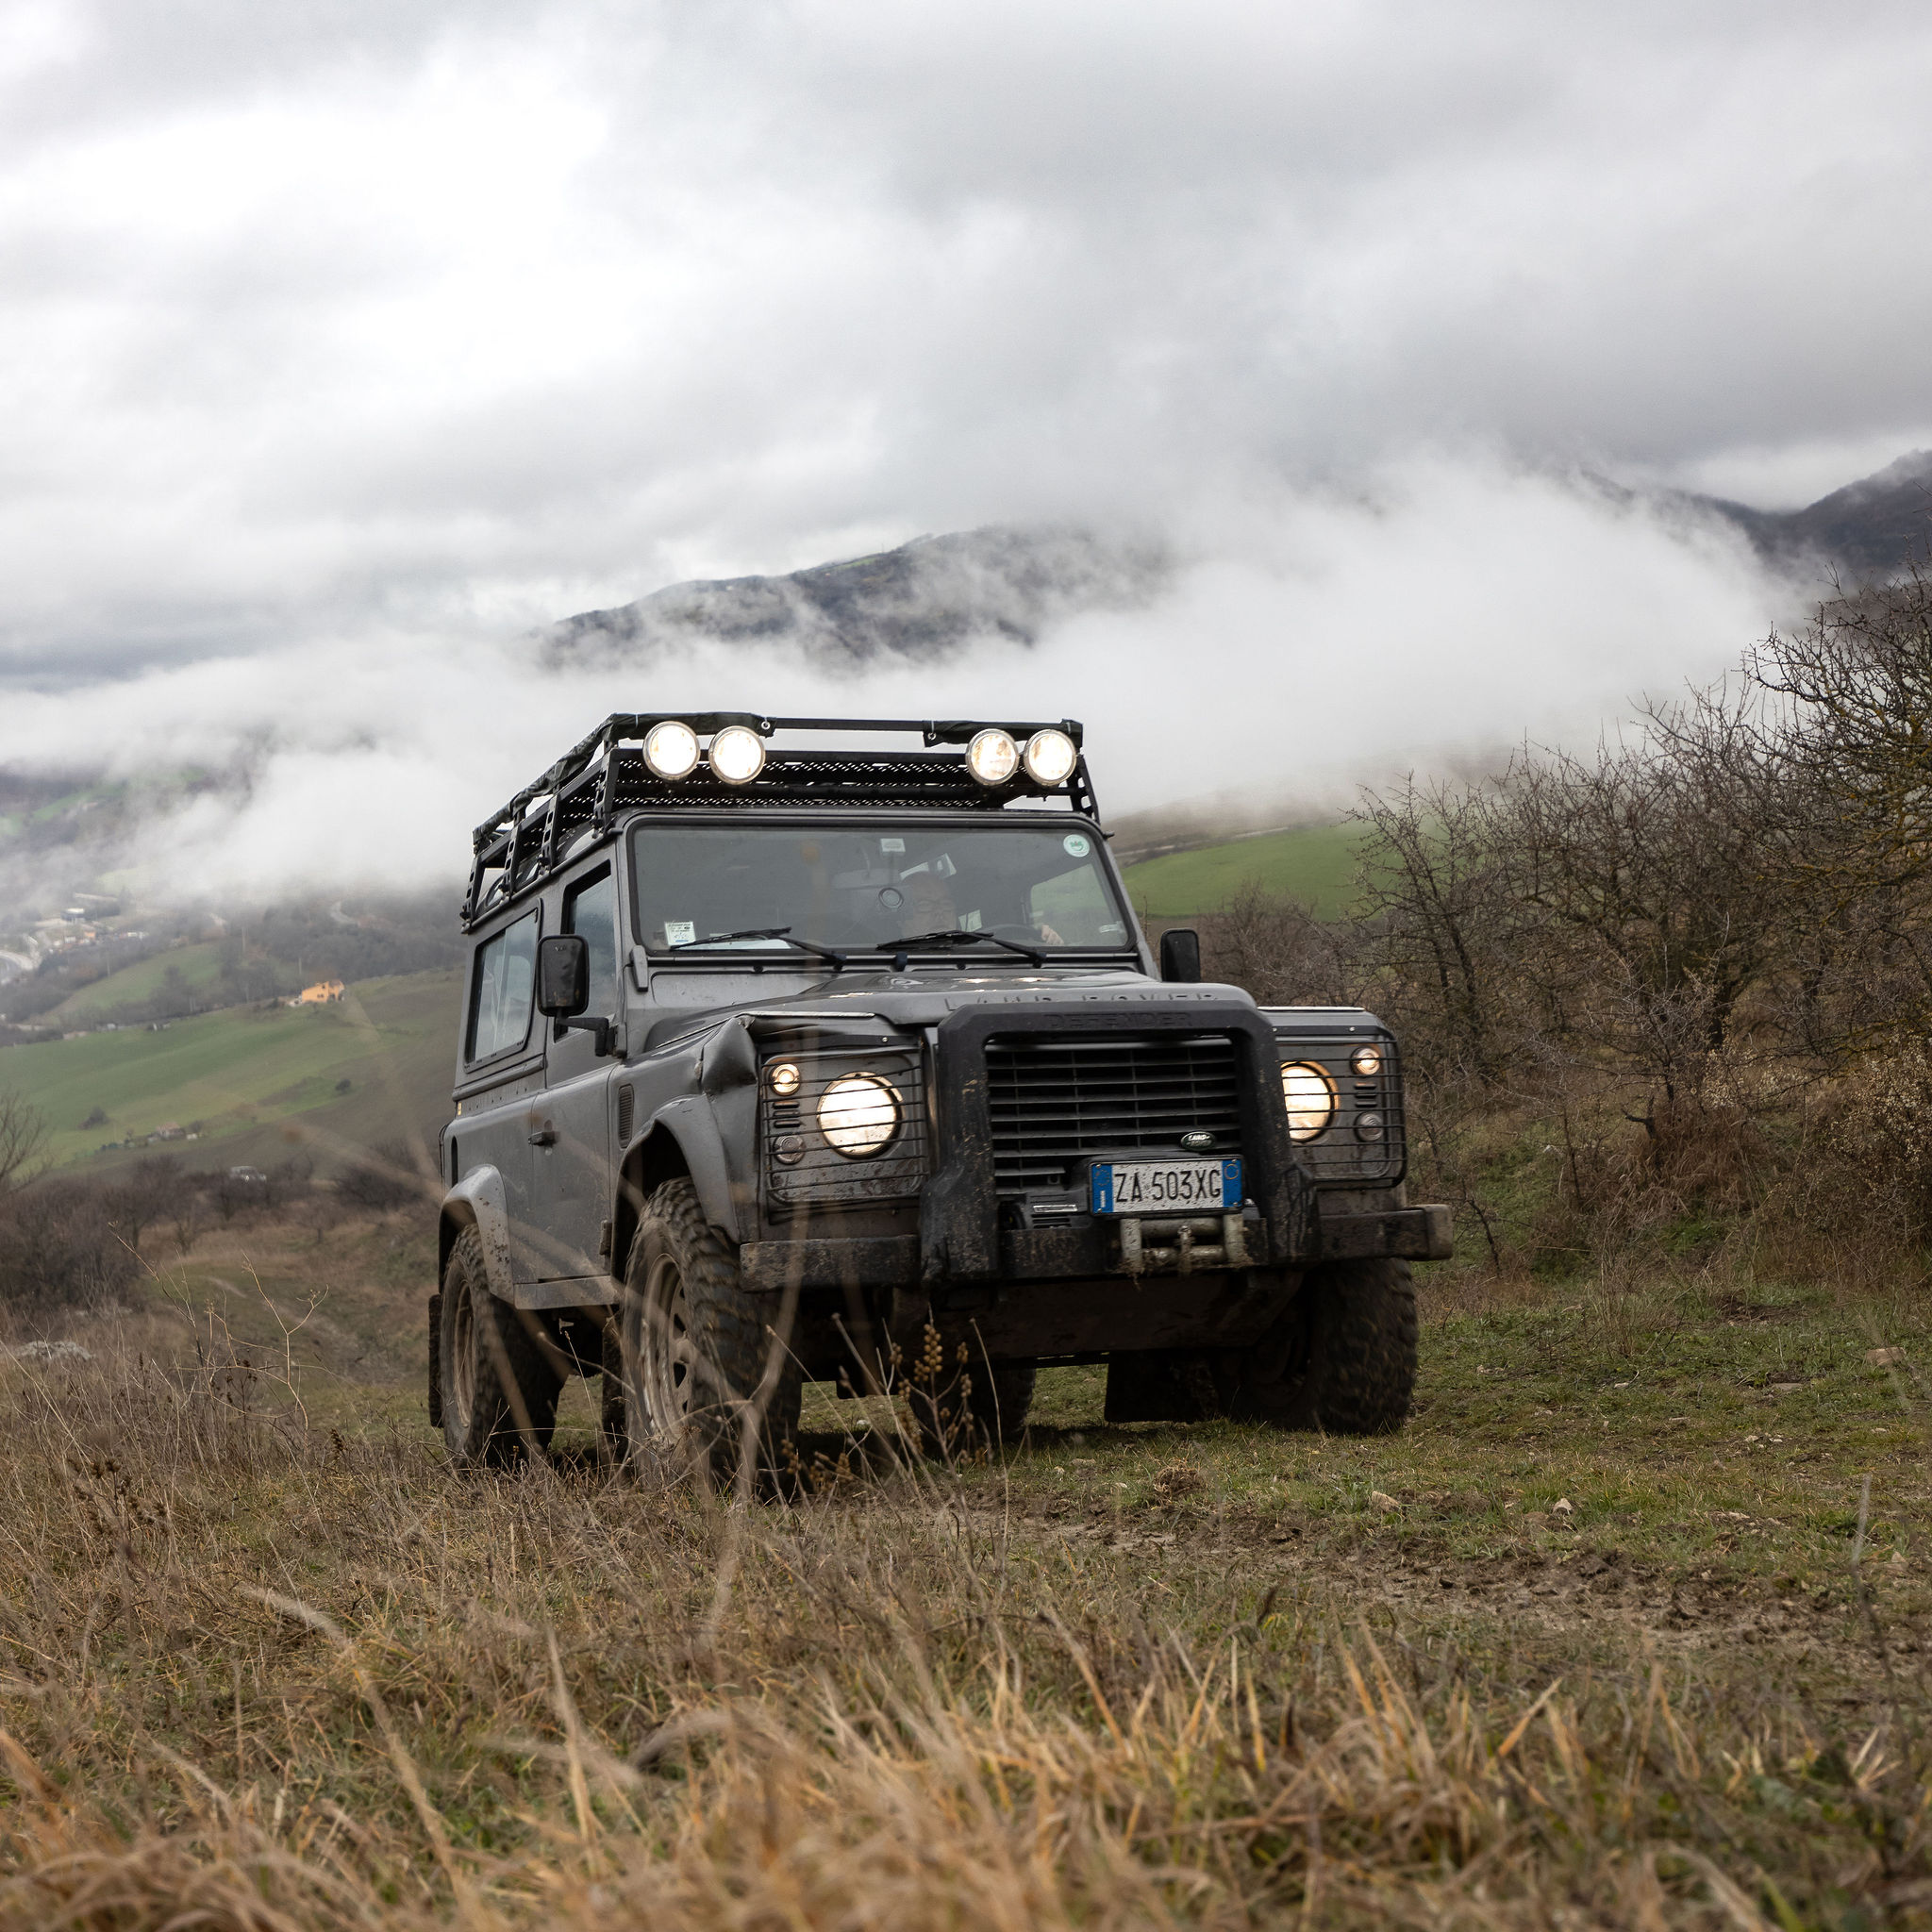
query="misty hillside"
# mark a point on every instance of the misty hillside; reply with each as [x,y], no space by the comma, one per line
[936,596]
[1867,529]
[923,600]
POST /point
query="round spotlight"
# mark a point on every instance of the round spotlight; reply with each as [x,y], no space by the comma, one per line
[993,757]
[1049,757]
[670,750]
[1366,1061]
[1311,1097]
[738,755]
[860,1114]
[783,1076]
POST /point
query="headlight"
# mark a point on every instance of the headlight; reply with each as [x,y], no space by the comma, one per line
[993,757]
[858,1115]
[1049,757]
[1311,1097]
[738,755]
[670,750]
[783,1076]
[1366,1061]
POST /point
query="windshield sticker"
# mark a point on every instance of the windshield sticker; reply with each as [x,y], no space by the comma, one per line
[680,932]
[891,845]
[1077,844]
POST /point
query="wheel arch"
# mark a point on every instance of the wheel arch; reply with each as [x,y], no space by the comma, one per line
[680,1142]
[477,1201]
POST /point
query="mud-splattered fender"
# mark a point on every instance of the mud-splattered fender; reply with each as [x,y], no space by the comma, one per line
[478,1199]
[691,1125]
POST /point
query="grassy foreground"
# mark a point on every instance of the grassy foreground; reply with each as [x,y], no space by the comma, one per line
[1627,1628]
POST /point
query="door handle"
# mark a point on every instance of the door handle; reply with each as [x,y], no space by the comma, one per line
[545,1135]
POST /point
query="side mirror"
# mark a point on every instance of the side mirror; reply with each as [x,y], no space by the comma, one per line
[1180,954]
[563,974]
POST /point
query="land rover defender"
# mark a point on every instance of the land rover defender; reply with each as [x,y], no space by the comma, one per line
[819,1049]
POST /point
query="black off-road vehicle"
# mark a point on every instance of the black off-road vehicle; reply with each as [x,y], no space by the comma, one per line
[785,1060]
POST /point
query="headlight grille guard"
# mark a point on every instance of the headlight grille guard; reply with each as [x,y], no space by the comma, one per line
[822,1176]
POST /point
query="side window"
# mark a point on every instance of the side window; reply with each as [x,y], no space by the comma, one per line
[501,990]
[591,907]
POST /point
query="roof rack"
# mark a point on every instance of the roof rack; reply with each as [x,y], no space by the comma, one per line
[604,775]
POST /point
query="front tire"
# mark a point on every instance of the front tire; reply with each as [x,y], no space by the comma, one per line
[499,1384]
[695,1359]
[1342,1359]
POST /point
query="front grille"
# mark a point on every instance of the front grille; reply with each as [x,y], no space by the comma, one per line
[1055,1103]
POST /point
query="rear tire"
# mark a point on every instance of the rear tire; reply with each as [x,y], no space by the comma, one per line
[499,1386]
[694,1348]
[967,1406]
[1342,1359]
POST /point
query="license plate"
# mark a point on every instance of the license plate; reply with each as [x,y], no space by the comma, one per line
[1166,1186]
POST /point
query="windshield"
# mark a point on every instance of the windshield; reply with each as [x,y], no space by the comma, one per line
[866,888]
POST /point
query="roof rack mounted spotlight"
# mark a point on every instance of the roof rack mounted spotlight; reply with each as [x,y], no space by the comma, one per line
[738,755]
[671,749]
[1049,757]
[993,755]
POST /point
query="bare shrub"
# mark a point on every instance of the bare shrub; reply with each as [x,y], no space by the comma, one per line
[23,1137]
[1877,1141]
[59,1248]
[141,1195]
[1281,952]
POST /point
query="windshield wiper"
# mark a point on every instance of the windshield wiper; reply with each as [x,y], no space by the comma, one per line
[763,932]
[962,937]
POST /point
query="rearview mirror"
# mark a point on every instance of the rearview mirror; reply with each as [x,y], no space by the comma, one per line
[1180,954]
[563,974]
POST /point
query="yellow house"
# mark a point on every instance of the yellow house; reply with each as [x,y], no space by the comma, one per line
[319,994]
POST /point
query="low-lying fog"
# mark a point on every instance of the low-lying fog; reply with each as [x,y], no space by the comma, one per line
[1298,649]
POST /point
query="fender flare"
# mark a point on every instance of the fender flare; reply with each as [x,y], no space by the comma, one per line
[477,1201]
[688,1126]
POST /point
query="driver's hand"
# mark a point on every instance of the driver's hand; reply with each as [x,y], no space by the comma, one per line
[1047,933]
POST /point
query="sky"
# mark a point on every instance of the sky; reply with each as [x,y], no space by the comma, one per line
[342,345]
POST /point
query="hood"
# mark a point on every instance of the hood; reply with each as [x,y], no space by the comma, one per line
[910,1000]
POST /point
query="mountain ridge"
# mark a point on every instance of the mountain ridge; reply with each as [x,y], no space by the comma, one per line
[927,599]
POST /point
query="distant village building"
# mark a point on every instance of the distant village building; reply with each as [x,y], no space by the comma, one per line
[319,994]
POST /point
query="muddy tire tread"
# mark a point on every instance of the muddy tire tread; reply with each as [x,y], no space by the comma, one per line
[729,1323]
[1363,1365]
[508,1357]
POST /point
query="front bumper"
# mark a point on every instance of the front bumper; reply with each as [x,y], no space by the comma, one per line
[1048,1256]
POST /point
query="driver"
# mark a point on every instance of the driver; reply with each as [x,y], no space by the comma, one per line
[929,905]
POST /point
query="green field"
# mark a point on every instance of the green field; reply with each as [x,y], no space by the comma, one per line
[198,966]
[1314,864]
[260,1081]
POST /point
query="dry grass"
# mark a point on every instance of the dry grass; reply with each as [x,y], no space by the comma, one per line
[263,1669]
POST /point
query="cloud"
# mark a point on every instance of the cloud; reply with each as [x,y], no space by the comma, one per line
[320,318]
[340,347]
[1340,639]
